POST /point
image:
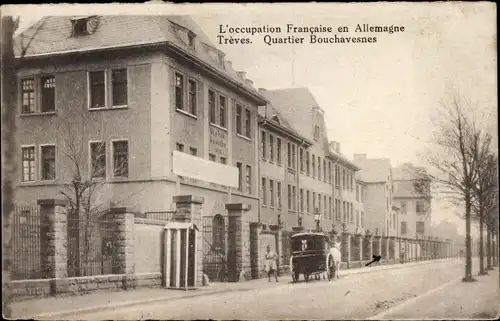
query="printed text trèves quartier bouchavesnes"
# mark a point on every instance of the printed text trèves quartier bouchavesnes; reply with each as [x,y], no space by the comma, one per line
[317,34]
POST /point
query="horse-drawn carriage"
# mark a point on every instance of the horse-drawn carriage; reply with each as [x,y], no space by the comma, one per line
[311,255]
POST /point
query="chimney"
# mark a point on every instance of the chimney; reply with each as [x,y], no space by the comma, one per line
[249,82]
[359,157]
[408,164]
[241,74]
[262,90]
[338,147]
[332,144]
[229,64]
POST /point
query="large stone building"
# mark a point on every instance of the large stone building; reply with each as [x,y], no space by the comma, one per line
[147,105]
[412,195]
[306,168]
[381,216]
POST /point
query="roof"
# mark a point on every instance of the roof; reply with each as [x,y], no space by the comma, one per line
[270,116]
[344,160]
[296,105]
[310,233]
[374,170]
[180,226]
[52,36]
[408,172]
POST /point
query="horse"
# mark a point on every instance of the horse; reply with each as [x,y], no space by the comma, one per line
[337,256]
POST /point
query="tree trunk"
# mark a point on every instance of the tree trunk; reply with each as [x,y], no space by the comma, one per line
[488,248]
[482,271]
[468,248]
[9,167]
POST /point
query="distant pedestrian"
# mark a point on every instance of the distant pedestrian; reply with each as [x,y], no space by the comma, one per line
[271,266]
[402,255]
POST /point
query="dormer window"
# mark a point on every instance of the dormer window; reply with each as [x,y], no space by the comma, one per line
[83,26]
[316,132]
[275,118]
[191,37]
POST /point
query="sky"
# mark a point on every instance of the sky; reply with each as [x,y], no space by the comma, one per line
[379,98]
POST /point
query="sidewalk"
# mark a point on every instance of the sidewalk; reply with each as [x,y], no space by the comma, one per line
[456,300]
[58,307]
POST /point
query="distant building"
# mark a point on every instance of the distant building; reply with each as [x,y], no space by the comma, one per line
[295,155]
[149,104]
[412,195]
[380,214]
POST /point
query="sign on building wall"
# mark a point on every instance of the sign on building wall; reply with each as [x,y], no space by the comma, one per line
[218,141]
[204,170]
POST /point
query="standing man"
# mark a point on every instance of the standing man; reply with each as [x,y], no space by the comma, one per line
[271,266]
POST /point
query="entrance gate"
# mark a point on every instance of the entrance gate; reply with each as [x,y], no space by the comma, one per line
[215,239]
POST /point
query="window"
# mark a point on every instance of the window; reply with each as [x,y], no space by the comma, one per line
[337,209]
[308,171]
[223,160]
[329,172]
[314,201]
[324,170]
[343,179]
[211,157]
[240,176]
[48,94]
[419,206]
[119,85]
[222,111]
[48,162]
[330,208]
[28,95]
[387,202]
[289,150]
[362,219]
[271,148]
[238,119]
[357,218]
[352,213]
[301,196]
[97,89]
[308,202]
[294,198]
[344,211]
[316,132]
[278,150]
[319,168]
[263,191]
[211,106]
[271,193]
[313,165]
[28,165]
[403,228]
[319,202]
[325,206]
[357,193]
[179,91]
[263,143]
[289,197]
[80,27]
[294,156]
[192,97]
[179,147]
[301,160]
[403,207]
[249,179]
[352,181]
[420,227]
[248,123]
[120,158]
[278,195]
[98,159]
[193,151]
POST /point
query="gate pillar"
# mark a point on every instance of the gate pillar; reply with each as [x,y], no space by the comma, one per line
[238,254]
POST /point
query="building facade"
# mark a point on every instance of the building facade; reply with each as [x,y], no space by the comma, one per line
[412,196]
[306,169]
[382,215]
[134,110]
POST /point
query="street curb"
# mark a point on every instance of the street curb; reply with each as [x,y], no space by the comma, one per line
[126,304]
[61,314]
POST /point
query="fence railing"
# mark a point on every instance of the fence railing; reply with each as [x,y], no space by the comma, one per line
[27,229]
[160,216]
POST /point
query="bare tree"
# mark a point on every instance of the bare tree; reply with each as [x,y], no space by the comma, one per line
[456,164]
[484,188]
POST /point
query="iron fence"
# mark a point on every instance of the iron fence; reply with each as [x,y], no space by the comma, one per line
[215,238]
[27,246]
[161,216]
[90,249]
